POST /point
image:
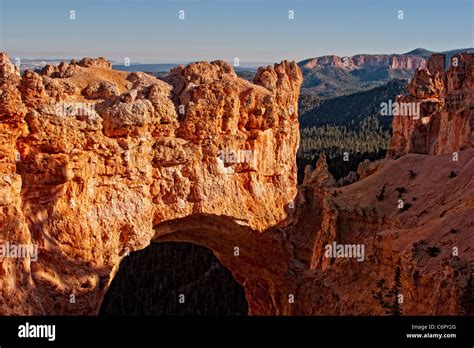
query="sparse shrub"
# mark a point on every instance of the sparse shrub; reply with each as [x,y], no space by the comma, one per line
[401,190]
[433,251]
[406,206]
[381,195]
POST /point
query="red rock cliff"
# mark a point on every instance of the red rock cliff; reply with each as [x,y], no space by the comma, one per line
[445,123]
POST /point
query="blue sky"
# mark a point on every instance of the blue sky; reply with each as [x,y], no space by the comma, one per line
[253,30]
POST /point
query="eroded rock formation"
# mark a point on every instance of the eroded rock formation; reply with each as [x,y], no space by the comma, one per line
[93,159]
[444,122]
[96,163]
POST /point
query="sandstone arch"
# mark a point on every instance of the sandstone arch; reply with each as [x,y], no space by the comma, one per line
[88,185]
[262,263]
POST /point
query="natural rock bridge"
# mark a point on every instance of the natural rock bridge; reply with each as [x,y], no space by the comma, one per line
[97,163]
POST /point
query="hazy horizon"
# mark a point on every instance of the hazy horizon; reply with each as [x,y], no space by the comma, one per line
[257,31]
[242,63]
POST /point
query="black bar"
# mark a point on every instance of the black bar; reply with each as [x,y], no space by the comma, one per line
[289,331]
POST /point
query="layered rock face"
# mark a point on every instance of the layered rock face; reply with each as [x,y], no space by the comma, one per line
[367,61]
[95,163]
[445,100]
[406,62]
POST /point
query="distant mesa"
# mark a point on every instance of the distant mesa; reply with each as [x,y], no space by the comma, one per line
[331,76]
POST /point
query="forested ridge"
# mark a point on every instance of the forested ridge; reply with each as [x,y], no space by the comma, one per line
[347,129]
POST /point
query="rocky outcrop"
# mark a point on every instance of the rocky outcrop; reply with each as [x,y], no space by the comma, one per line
[445,101]
[100,62]
[414,218]
[7,69]
[96,163]
[366,168]
[94,159]
[319,176]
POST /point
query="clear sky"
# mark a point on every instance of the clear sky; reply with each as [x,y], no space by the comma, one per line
[253,30]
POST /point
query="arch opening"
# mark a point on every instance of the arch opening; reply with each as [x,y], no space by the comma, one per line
[173,278]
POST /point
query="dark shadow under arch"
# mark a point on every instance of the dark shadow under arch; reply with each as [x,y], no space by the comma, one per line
[150,282]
